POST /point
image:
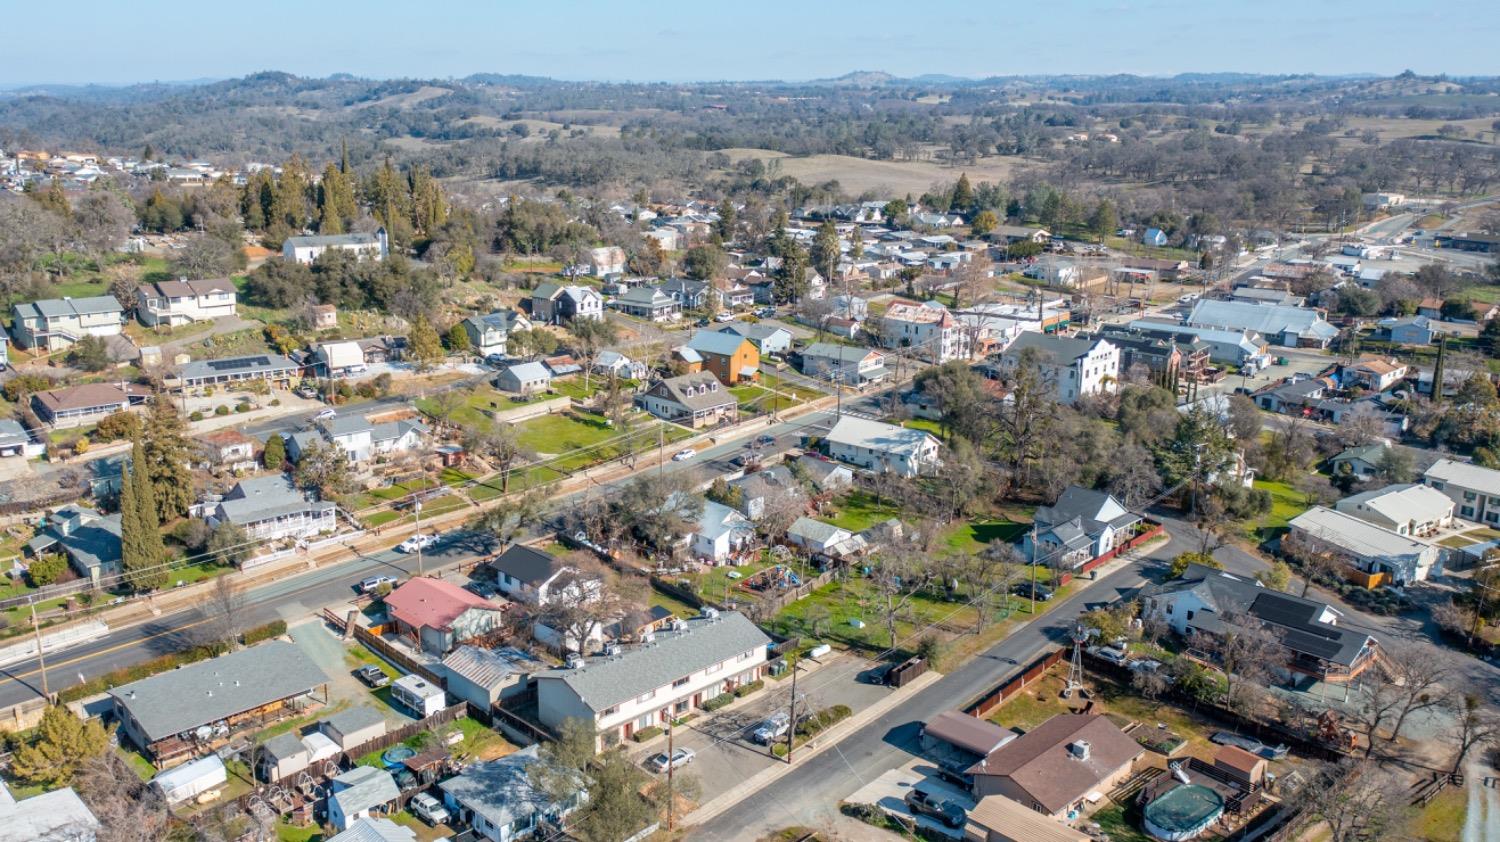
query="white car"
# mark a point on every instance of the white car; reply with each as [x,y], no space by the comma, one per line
[1188,299]
[420,541]
[724,317]
[429,809]
[684,454]
[325,414]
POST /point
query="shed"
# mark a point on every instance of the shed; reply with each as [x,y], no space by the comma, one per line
[354,727]
[190,780]
[1249,769]
[281,756]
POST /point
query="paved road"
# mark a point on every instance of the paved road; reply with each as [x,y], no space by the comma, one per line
[809,795]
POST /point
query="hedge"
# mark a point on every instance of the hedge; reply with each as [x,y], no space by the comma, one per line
[646,734]
[813,725]
[719,701]
[146,669]
[746,689]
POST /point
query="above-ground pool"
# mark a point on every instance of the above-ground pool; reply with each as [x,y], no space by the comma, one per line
[394,755]
[1183,812]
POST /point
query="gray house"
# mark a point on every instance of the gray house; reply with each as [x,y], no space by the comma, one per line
[482,677]
[498,800]
[352,728]
[524,378]
[90,540]
[490,333]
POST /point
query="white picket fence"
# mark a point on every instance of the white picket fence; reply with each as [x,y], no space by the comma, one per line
[53,641]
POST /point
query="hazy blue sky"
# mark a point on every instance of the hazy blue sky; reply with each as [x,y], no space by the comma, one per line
[675,40]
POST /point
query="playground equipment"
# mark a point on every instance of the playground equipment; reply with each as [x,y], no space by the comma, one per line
[1331,730]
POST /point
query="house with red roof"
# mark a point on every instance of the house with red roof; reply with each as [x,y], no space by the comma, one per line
[439,615]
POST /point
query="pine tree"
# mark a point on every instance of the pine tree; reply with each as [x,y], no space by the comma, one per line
[63,743]
[963,195]
[274,455]
[335,202]
[426,347]
[167,454]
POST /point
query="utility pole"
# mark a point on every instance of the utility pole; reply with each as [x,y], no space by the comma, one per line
[1033,567]
[661,449]
[41,659]
[671,766]
[791,722]
[416,507]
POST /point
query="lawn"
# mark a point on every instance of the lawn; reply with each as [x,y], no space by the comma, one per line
[752,397]
[1442,820]
[1286,503]
[480,742]
[971,537]
[787,387]
[1042,700]
[137,763]
[716,583]
[1121,823]
[290,833]
[476,406]
[574,388]
[860,510]
[671,603]
[856,599]
[563,432]
[1456,541]
[929,425]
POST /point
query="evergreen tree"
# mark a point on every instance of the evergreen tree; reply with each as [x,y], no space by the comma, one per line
[62,744]
[1104,220]
[825,249]
[963,195]
[336,205]
[458,339]
[289,201]
[168,452]
[725,227]
[425,345]
[274,456]
[139,531]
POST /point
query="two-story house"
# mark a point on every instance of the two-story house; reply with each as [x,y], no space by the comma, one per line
[696,400]
[173,303]
[843,364]
[538,578]
[553,304]
[1072,367]
[731,357]
[929,330]
[675,671]
[54,324]
[489,334]
[1081,526]
[648,303]
[1474,490]
[359,437]
[272,508]
[881,447]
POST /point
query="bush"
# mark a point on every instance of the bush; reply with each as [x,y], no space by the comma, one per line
[242,407]
[646,734]
[221,409]
[275,628]
[744,690]
[46,570]
[195,416]
[275,401]
[719,701]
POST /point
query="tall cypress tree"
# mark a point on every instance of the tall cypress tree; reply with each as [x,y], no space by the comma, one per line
[166,462]
[150,524]
[135,551]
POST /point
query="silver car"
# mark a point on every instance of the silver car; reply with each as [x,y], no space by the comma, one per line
[772,727]
[680,758]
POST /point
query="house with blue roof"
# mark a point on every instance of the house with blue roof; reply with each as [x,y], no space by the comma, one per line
[1154,237]
[90,540]
[1292,327]
[730,357]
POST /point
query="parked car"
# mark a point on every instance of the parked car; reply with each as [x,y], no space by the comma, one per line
[765,312]
[878,674]
[725,316]
[921,803]
[680,758]
[325,414]
[484,589]
[370,584]
[496,360]
[1144,665]
[684,454]
[307,392]
[772,727]
[1108,653]
[1030,591]
[429,809]
[372,676]
[419,541]
[765,441]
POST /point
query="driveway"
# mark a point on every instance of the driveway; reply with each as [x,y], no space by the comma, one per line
[888,792]
[322,647]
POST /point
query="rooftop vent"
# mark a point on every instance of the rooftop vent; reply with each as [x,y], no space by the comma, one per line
[1079,750]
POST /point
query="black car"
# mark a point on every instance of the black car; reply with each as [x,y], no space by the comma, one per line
[372,676]
[1030,591]
[920,803]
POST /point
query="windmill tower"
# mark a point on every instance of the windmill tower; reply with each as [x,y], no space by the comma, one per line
[1080,636]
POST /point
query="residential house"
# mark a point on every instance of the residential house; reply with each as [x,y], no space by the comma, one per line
[438,615]
[554,304]
[75,406]
[845,364]
[774,484]
[359,793]
[648,303]
[55,816]
[1375,374]
[825,476]
[370,829]
[174,303]
[340,359]
[1314,644]
[54,324]
[689,294]
[360,437]
[499,798]
[382,349]
[1409,330]
[1072,367]
[524,378]
[928,329]
[1474,490]
[1154,237]
[1292,397]
[606,260]
[15,440]
[1356,533]
[816,536]
[850,307]
[728,356]
[538,578]
[324,316]
[1081,526]
[90,540]
[230,371]
[958,741]
[482,677]
[490,334]
[229,449]
[1410,509]
[1363,462]
[882,447]
[1055,767]
[1293,327]
[353,727]
[645,686]
[767,338]
[365,245]
[1235,347]
[999,819]
[696,400]
[619,365]
[251,686]
[720,534]
[1264,295]
[1008,234]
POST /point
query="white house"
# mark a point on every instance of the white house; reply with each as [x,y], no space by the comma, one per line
[929,329]
[174,303]
[1081,526]
[538,578]
[671,673]
[341,359]
[490,333]
[847,364]
[606,260]
[556,304]
[271,508]
[1474,490]
[816,536]
[365,246]
[360,438]
[882,447]
[56,323]
[720,533]
[1372,548]
[55,816]
[1410,509]
[499,799]
[359,793]
[1072,366]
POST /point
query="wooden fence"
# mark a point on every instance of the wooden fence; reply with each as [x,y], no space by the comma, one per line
[982,706]
[371,637]
[1152,531]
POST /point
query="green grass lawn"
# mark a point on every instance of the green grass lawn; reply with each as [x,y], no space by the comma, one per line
[137,763]
[476,405]
[1442,820]
[671,603]
[854,599]
[929,425]
[1286,503]
[1121,823]
[860,510]
[286,832]
[752,397]
[1456,541]
[971,537]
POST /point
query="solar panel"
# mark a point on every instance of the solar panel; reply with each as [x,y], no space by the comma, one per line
[238,363]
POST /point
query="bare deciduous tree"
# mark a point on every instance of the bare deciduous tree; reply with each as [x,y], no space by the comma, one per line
[1476,725]
[221,615]
[899,575]
[1356,801]
[127,809]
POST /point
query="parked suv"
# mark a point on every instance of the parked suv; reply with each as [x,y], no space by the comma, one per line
[772,727]
[429,809]
[369,585]
[921,803]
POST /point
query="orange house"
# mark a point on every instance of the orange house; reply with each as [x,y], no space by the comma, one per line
[732,358]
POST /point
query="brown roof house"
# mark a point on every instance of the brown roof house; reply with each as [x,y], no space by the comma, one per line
[695,400]
[1059,767]
[74,406]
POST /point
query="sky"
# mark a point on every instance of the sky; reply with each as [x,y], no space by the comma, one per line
[107,42]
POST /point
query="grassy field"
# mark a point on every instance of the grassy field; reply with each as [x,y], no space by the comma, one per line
[1286,503]
[859,511]
[1442,820]
[860,175]
[973,536]
[473,411]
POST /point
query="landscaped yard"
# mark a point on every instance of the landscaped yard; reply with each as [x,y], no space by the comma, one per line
[1442,820]
[1286,503]
[753,397]
[973,536]
[860,511]
[1042,700]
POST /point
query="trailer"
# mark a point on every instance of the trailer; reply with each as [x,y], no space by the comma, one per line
[190,780]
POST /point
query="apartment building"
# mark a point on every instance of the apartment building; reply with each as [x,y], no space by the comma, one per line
[929,330]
